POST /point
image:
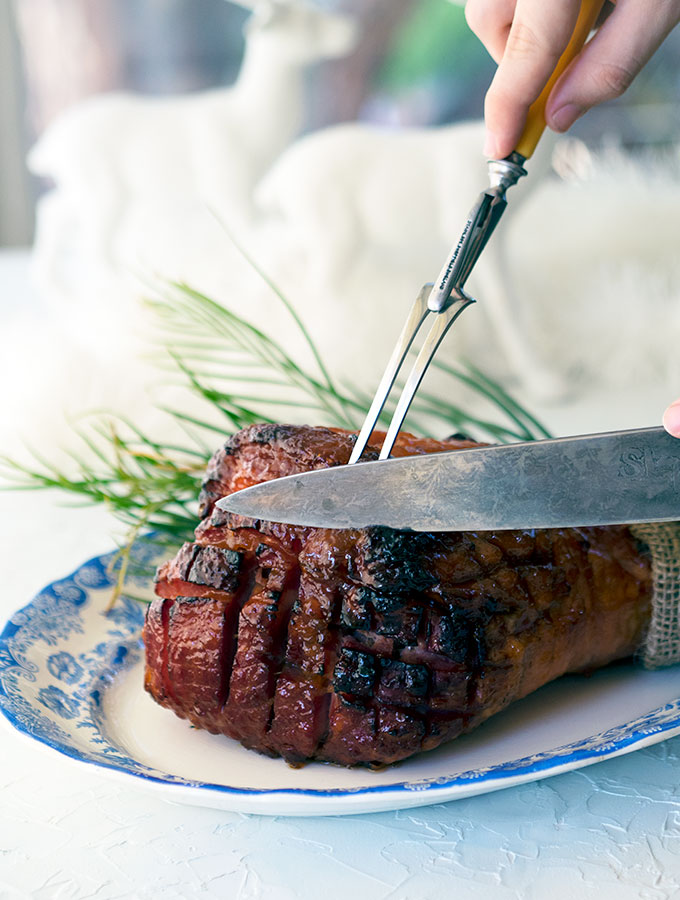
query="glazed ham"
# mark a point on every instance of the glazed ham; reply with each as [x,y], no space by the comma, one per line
[366,646]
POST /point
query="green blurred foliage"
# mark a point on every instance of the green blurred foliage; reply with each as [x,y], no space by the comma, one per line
[434,43]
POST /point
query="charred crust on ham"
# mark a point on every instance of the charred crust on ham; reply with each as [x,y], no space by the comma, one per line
[403,683]
[393,560]
[216,567]
[453,635]
[355,673]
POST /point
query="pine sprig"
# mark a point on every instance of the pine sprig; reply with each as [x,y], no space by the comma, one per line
[234,340]
[238,375]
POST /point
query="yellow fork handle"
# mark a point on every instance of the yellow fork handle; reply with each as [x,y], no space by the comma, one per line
[535,126]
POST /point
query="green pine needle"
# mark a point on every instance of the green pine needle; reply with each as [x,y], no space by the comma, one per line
[152,485]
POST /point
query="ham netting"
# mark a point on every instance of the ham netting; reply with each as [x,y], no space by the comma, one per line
[662,644]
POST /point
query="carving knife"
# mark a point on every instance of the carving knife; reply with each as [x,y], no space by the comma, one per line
[618,477]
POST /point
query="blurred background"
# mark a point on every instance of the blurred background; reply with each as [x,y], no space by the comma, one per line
[417,63]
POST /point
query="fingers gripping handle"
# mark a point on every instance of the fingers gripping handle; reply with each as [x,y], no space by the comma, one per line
[535,126]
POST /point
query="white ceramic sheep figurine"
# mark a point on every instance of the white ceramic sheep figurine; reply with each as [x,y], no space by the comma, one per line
[124,163]
[368,215]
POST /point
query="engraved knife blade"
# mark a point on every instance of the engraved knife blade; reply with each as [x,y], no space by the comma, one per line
[617,477]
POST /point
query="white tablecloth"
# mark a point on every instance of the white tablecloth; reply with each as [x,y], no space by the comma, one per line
[611,830]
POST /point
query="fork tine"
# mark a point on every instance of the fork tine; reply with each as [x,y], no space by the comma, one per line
[442,323]
[417,315]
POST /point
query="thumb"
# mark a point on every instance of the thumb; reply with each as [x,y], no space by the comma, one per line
[671,419]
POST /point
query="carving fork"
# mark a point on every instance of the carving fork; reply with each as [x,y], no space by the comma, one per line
[442,302]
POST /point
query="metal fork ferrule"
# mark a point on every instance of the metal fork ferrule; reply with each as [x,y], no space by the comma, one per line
[504,173]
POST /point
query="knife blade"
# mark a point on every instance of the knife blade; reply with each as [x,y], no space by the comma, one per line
[612,478]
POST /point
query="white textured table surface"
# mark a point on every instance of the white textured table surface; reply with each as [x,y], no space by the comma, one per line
[611,830]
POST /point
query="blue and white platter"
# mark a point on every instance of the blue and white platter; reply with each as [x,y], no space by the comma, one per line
[71,678]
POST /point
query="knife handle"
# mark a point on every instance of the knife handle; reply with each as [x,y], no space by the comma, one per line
[535,125]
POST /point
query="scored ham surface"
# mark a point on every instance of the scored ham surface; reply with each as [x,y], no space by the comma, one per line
[366,646]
